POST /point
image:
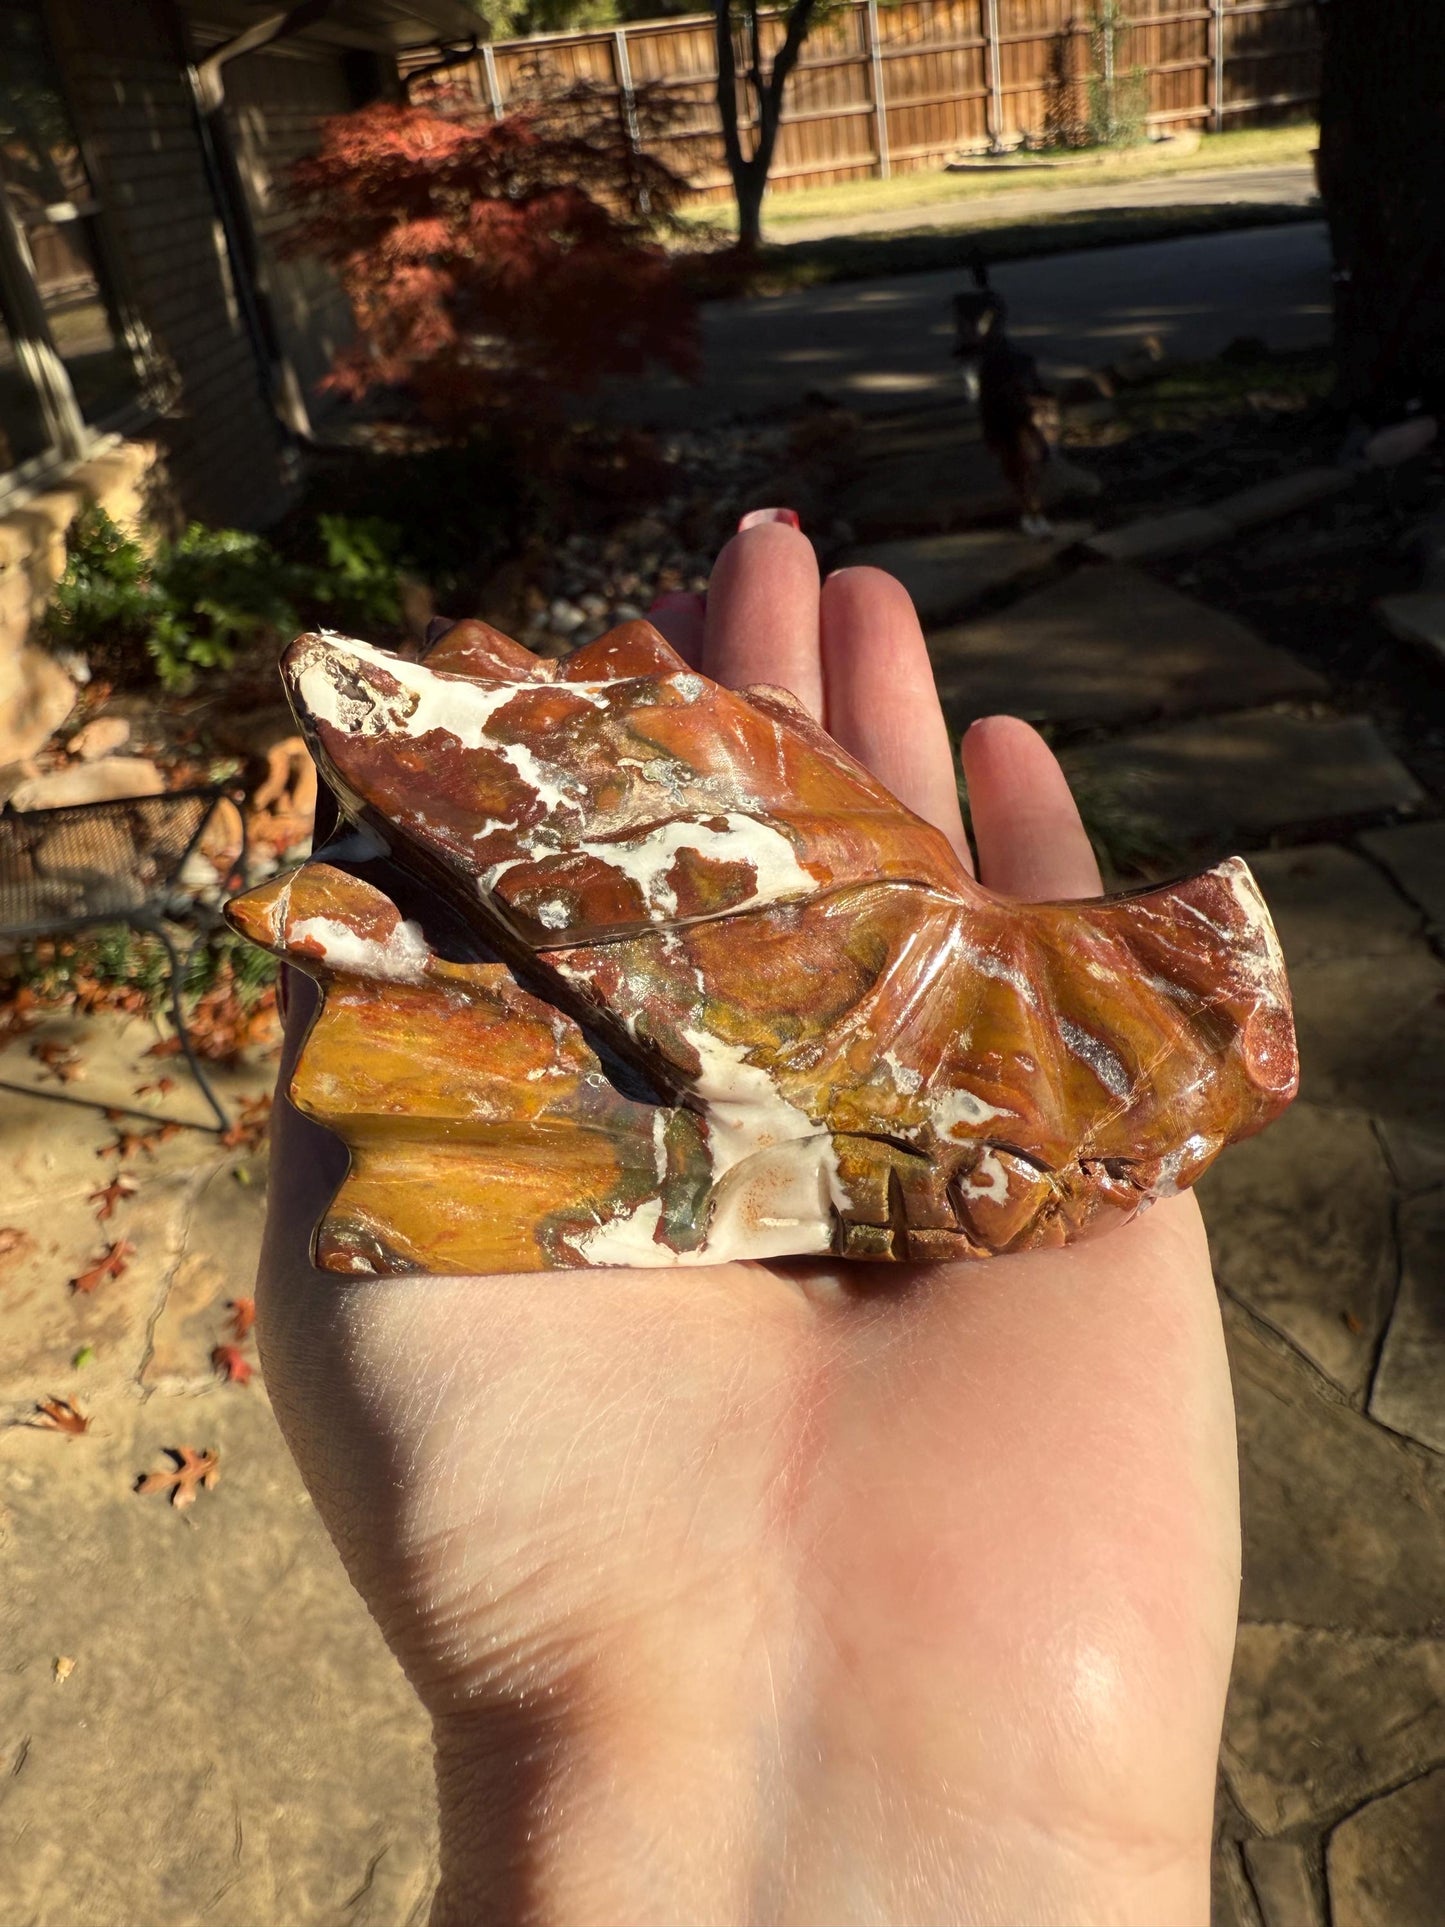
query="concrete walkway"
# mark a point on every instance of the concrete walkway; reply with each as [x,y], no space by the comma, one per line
[1287,186]
[881,345]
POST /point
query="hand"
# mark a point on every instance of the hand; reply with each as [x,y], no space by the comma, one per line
[800,1593]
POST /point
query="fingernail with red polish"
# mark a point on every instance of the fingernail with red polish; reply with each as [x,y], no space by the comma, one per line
[754,517]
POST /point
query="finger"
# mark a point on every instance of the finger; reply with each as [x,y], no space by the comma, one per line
[879,698]
[679,617]
[762,614]
[1030,840]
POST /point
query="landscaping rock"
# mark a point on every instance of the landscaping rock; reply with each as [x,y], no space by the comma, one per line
[1344,1524]
[107,781]
[1414,855]
[1214,782]
[102,736]
[1301,1231]
[1417,617]
[1181,532]
[1386,1864]
[1284,1885]
[1319,1721]
[1231,1900]
[1372,1036]
[1267,501]
[945,574]
[1328,902]
[36,696]
[1409,1389]
[1109,645]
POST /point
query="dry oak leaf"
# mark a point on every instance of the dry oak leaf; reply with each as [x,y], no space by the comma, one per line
[191,1471]
[243,1316]
[117,1255]
[233,1367]
[110,1195]
[249,1129]
[62,1061]
[126,1143]
[59,1415]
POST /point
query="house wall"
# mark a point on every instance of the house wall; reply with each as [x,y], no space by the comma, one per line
[123,74]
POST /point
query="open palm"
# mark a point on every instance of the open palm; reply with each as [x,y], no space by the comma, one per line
[807,1592]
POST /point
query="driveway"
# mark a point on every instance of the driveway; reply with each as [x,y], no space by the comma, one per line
[874,344]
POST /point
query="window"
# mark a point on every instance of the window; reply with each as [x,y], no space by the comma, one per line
[66,364]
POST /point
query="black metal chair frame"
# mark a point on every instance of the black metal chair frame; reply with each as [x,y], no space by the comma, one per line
[22,830]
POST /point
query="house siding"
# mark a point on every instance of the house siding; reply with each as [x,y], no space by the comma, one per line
[124,79]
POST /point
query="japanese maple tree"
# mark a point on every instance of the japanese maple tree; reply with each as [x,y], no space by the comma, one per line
[495,265]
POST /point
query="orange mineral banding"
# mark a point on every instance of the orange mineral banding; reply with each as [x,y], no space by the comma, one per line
[619,967]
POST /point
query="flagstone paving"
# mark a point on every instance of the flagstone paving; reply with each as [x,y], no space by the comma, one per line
[1110,645]
[205,1758]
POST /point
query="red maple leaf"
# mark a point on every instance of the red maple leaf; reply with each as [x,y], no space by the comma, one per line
[233,1367]
[59,1415]
[191,1471]
[243,1315]
[110,1195]
[110,1265]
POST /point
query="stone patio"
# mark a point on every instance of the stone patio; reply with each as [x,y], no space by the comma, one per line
[1326,1231]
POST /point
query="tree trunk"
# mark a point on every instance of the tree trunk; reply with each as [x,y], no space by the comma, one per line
[750,171]
[1381,164]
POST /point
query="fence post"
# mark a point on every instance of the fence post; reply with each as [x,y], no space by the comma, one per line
[995,78]
[880,104]
[494,88]
[1216,23]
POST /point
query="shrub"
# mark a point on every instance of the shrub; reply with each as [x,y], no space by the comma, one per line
[1118,97]
[494,265]
[192,604]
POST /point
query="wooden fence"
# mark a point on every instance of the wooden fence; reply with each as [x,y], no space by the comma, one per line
[886,89]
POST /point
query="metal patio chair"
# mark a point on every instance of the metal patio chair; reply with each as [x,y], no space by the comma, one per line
[65,869]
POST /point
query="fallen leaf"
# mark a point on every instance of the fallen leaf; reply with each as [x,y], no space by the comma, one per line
[249,1129]
[111,1265]
[127,1142]
[61,1061]
[1353,1324]
[191,1471]
[162,1086]
[110,1195]
[243,1315]
[232,1365]
[59,1415]
[64,1667]
[13,1240]
[85,1356]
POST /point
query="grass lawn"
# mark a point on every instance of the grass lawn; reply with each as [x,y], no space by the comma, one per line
[781,269]
[1248,147]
